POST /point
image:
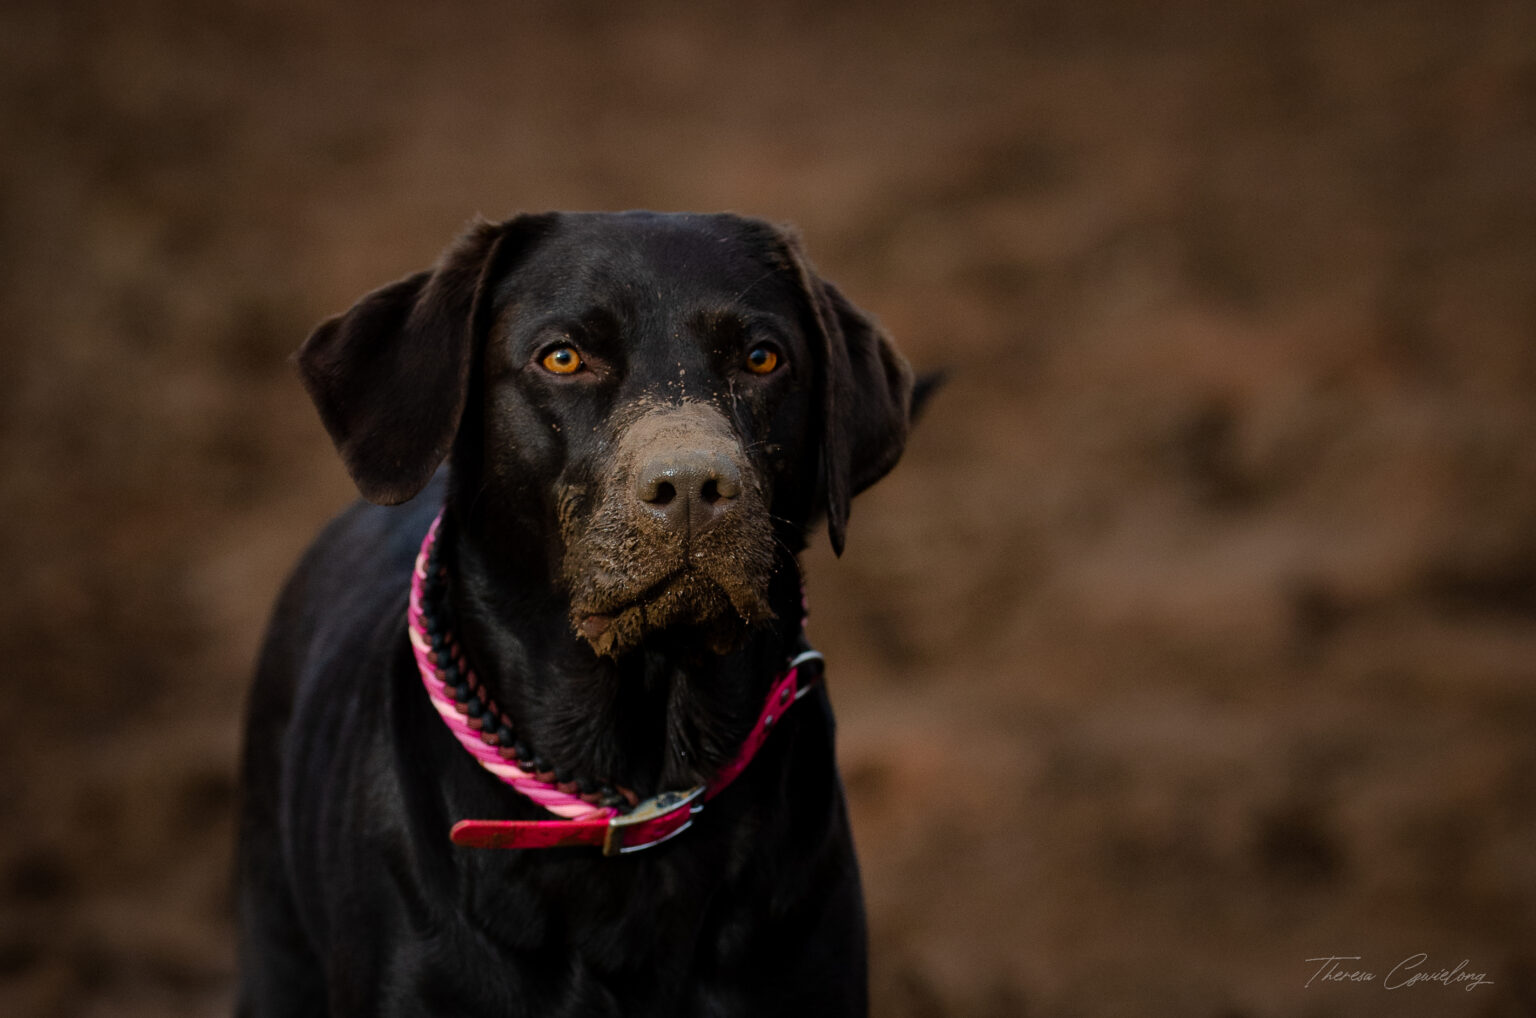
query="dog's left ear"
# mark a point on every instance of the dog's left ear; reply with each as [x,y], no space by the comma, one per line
[867,396]
[390,377]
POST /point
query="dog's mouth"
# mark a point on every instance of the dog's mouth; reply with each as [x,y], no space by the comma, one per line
[617,617]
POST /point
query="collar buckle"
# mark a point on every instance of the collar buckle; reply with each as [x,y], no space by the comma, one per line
[657,819]
[807,677]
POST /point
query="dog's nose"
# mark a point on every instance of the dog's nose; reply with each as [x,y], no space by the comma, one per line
[691,489]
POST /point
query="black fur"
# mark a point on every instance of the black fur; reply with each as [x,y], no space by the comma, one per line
[352,901]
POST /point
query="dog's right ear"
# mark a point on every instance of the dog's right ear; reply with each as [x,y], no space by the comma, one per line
[390,377]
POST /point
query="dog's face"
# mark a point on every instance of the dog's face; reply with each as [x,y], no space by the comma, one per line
[652,377]
[657,407]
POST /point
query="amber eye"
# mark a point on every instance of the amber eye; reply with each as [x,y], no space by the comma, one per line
[562,360]
[761,360]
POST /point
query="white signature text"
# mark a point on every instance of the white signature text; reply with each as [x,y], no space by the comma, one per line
[1413,970]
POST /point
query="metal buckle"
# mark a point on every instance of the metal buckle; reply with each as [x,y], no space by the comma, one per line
[806,657]
[656,807]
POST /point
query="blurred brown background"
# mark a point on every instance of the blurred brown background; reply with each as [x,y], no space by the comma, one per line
[1194,638]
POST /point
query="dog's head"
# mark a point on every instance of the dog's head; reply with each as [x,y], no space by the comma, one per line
[654,409]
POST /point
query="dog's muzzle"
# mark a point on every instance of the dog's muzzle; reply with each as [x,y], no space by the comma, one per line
[679,535]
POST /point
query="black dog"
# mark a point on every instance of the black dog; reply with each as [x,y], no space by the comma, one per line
[643,415]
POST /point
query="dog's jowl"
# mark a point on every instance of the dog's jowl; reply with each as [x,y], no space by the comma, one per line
[536,730]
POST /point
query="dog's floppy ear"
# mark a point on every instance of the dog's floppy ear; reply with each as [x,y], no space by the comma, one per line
[390,377]
[866,395]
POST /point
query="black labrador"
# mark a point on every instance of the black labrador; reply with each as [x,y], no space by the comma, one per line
[642,416]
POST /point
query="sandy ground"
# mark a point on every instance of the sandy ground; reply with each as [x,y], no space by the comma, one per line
[1194,638]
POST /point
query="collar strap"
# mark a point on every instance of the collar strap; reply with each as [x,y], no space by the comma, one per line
[649,822]
[660,817]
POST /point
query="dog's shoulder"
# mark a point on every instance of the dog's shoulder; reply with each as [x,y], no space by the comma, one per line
[361,560]
[349,587]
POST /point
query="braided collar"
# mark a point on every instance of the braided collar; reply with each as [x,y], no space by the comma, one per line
[591,813]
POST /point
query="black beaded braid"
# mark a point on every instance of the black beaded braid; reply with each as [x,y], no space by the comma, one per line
[472,699]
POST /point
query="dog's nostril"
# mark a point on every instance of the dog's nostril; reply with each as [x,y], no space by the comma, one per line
[663,493]
[709,493]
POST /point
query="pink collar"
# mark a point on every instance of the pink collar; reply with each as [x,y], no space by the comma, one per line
[585,822]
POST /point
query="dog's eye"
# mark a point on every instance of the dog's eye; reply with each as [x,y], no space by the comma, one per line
[762,359]
[562,360]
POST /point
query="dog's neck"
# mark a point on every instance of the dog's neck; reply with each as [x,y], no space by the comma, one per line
[659,717]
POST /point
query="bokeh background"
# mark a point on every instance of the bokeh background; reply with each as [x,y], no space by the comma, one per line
[1193,639]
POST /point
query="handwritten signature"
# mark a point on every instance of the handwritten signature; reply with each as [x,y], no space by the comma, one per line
[1411,971]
